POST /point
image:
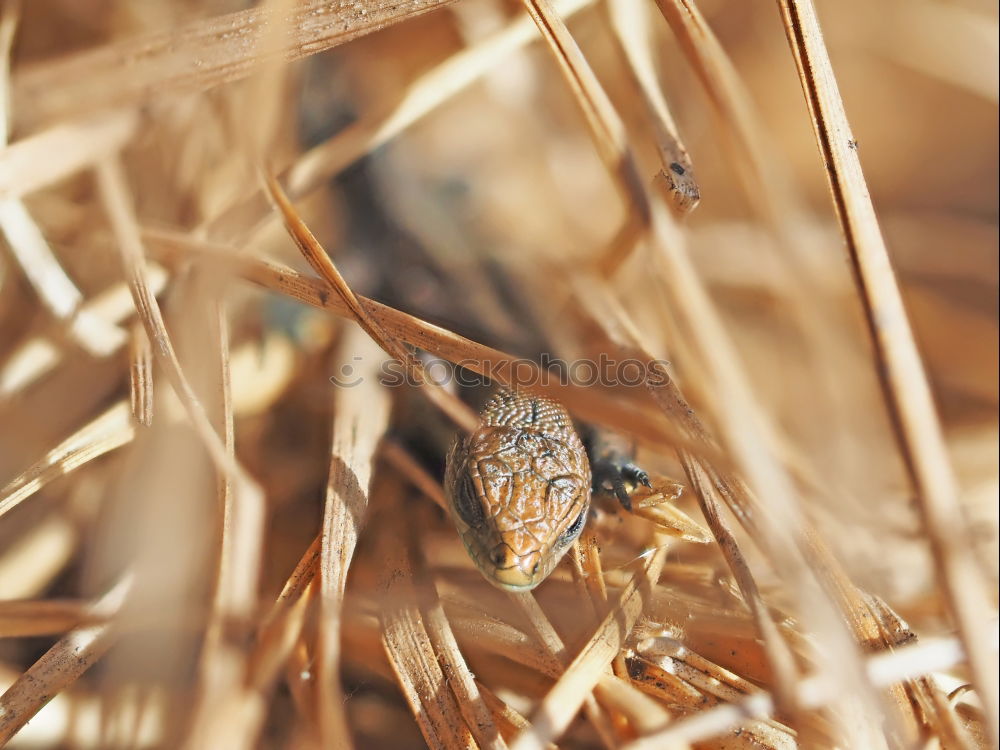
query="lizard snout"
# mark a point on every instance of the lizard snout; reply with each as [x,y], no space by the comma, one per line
[513,570]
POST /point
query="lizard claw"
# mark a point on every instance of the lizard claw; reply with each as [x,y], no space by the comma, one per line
[636,474]
[612,472]
[611,466]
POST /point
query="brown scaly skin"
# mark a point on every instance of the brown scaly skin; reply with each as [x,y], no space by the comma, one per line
[519,489]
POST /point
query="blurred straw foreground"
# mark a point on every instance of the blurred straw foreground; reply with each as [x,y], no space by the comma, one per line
[220,525]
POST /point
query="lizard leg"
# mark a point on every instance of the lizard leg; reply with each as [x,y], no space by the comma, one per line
[612,466]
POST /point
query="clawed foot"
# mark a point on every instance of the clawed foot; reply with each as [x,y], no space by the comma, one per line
[611,473]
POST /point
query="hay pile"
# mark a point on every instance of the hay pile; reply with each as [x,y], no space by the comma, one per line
[221,525]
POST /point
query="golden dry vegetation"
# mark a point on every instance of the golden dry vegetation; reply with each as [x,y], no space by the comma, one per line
[208,539]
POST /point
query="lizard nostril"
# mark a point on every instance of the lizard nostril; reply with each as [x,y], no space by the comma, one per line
[503,556]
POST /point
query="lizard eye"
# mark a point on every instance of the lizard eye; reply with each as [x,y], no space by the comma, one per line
[570,535]
[467,505]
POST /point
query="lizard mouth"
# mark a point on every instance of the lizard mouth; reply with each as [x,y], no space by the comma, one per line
[504,569]
[513,579]
[511,587]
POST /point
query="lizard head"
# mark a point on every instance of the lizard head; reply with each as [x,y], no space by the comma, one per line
[518,489]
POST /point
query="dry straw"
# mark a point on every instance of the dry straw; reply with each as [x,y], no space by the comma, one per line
[240,244]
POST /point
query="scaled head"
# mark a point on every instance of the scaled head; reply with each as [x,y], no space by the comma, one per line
[519,489]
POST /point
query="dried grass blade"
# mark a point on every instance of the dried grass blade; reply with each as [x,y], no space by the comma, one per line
[30,564]
[901,372]
[45,158]
[40,355]
[633,33]
[908,662]
[752,734]
[296,678]
[869,624]
[644,713]
[141,377]
[237,720]
[766,184]
[670,689]
[478,716]
[409,647]
[114,192]
[361,416]
[544,631]
[242,543]
[194,57]
[624,702]
[716,484]
[242,522]
[780,522]
[498,637]
[33,618]
[281,627]
[279,633]
[10,18]
[224,660]
[674,522]
[61,665]
[509,719]
[585,558]
[25,239]
[566,697]
[695,669]
[890,632]
[107,432]
[52,284]
[433,89]
[296,583]
[607,312]
[477,712]
[710,500]
[317,257]
[941,717]
[769,186]
[606,126]
[589,405]
[264,107]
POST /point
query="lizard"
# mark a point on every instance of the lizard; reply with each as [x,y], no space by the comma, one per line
[519,487]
